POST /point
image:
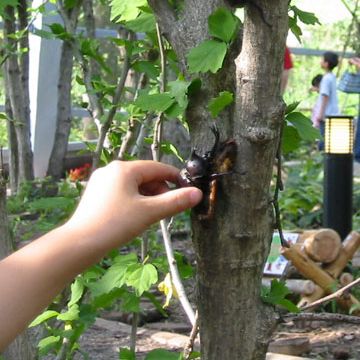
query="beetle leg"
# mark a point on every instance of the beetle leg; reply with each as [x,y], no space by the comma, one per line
[215,176]
[212,201]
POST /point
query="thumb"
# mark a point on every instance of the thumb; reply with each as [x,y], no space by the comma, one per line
[174,201]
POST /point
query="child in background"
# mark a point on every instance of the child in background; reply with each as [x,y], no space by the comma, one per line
[327,101]
[315,86]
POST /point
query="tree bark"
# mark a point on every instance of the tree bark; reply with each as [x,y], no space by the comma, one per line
[18,98]
[231,248]
[12,145]
[64,118]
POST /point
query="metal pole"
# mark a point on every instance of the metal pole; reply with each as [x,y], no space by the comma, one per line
[338,189]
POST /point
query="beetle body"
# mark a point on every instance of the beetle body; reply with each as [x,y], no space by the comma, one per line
[203,172]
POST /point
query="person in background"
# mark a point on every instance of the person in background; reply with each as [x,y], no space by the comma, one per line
[288,65]
[315,86]
[356,61]
[120,201]
[327,101]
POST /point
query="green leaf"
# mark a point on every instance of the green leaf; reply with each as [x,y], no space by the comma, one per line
[207,56]
[170,149]
[46,315]
[223,24]
[295,29]
[48,204]
[305,17]
[195,355]
[146,67]
[216,105]
[290,139]
[178,89]
[126,354]
[70,315]
[141,277]
[291,107]
[154,102]
[48,343]
[59,31]
[124,10]
[130,302]
[303,125]
[194,87]
[77,289]
[5,3]
[69,4]
[160,354]
[276,294]
[144,23]
[175,110]
[43,34]
[114,276]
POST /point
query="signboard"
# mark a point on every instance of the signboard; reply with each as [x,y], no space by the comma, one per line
[276,263]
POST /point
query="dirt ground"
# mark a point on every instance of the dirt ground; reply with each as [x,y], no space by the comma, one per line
[328,340]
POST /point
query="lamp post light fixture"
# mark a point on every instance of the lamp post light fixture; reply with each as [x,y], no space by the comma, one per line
[338,174]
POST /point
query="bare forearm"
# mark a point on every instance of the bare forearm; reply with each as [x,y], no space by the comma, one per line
[112,211]
[31,277]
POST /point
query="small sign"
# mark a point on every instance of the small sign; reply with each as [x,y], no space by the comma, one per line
[276,263]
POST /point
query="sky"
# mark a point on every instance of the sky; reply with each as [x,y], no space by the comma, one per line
[327,11]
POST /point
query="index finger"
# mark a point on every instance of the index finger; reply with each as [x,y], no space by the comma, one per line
[147,170]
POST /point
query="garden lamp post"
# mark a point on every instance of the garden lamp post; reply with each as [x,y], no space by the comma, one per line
[338,174]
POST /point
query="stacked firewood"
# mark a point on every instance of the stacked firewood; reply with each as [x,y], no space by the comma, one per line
[320,257]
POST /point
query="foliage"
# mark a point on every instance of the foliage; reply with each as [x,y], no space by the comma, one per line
[209,55]
[276,295]
[301,201]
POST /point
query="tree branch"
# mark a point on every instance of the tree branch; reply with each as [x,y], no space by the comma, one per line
[155,149]
[322,317]
[337,294]
[115,104]
[133,124]
[193,334]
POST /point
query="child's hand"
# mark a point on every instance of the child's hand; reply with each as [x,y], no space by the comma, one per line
[122,199]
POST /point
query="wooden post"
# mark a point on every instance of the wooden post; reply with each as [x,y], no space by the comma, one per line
[310,270]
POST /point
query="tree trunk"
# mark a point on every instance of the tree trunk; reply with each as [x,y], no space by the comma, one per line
[18,98]
[63,119]
[64,103]
[12,145]
[232,247]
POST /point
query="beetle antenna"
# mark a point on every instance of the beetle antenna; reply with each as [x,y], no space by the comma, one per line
[216,133]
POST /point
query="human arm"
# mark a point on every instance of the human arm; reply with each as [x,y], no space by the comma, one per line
[120,201]
[324,99]
[355,61]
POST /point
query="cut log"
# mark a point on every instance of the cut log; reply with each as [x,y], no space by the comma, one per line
[323,246]
[345,278]
[347,251]
[296,286]
[310,270]
[349,247]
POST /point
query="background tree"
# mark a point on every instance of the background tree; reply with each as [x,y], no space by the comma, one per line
[70,14]
[232,247]
[16,60]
